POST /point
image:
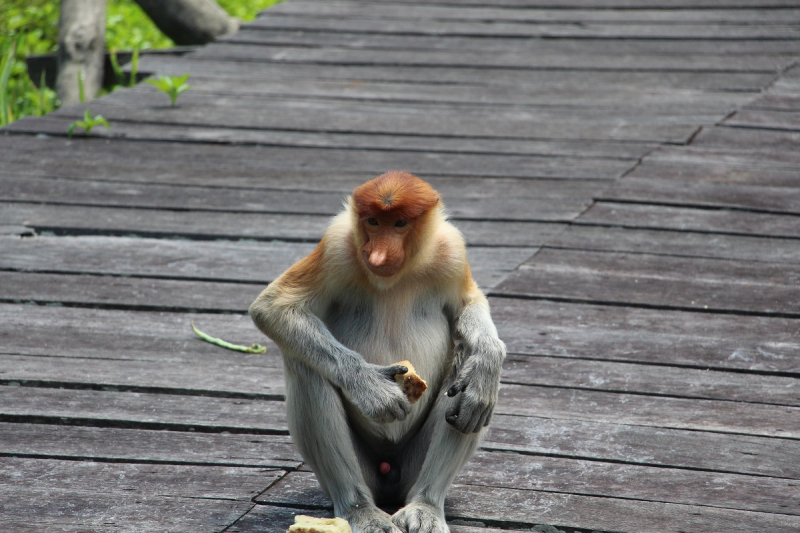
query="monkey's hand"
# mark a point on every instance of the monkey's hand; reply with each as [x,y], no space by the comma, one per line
[373,390]
[475,392]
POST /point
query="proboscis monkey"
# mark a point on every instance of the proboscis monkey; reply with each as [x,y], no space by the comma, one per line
[388,282]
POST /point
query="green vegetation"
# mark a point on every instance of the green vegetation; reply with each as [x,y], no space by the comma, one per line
[30,27]
[87,123]
[171,85]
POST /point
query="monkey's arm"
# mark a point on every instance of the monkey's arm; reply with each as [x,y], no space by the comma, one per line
[479,365]
[283,312]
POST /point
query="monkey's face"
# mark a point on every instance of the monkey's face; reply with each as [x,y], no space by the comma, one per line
[384,248]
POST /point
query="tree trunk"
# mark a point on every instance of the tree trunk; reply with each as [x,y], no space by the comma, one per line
[81,45]
[189,21]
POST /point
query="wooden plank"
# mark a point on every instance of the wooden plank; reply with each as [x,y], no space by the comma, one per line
[363,22]
[140,294]
[653,411]
[174,259]
[761,147]
[72,495]
[146,105]
[533,13]
[177,412]
[620,443]
[137,362]
[130,335]
[475,198]
[214,414]
[530,507]
[179,259]
[207,482]
[136,446]
[777,200]
[202,160]
[224,374]
[649,379]
[659,281]
[57,127]
[662,337]
[734,222]
[677,242]
[616,4]
[529,58]
[573,82]
[610,96]
[765,119]
[726,51]
[503,470]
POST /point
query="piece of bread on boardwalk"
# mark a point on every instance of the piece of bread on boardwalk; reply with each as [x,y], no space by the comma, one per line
[413,386]
[309,524]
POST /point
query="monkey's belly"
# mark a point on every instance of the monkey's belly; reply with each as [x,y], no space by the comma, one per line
[427,344]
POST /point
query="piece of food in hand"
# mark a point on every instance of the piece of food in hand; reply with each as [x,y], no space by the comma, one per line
[309,524]
[413,386]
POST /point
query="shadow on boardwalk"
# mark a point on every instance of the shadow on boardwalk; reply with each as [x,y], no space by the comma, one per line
[626,178]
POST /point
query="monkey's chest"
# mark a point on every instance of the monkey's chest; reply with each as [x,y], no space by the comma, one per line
[387,332]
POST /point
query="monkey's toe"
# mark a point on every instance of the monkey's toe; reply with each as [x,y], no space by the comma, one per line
[420,518]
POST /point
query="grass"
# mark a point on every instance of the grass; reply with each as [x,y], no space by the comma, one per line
[30,27]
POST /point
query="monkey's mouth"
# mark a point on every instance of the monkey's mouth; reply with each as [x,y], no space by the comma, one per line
[383,271]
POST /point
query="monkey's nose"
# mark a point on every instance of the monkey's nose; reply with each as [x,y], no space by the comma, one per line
[377,258]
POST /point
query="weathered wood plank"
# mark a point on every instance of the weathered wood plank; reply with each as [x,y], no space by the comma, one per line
[531,12]
[779,200]
[208,482]
[118,445]
[363,22]
[760,148]
[660,281]
[766,119]
[677,242]
[57,127]
[73,495]
[225,374]
[653,411]
[664,337]
[258,262]
[213,414]
[573,82]
[475,198]
[145,105]
[67,220]
[642,445]
[142,410]
[179,259]
[736,222]
[156,160]
[655,380]
[530,507]
[528,58]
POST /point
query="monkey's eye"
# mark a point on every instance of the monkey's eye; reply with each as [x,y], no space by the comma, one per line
[372,221]
[400,224]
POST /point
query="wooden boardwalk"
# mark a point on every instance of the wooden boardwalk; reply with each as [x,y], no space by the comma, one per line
[627,178]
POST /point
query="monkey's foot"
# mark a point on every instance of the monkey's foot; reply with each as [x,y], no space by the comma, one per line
[371,520]
[420,517]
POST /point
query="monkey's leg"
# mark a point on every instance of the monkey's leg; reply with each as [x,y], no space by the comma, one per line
[320,428]
[434,456]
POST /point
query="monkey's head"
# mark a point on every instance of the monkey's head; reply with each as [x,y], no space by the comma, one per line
[391,210]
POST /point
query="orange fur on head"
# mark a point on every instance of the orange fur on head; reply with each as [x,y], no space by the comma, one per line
[396,194]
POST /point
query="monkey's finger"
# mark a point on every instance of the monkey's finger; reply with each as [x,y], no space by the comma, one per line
[391,371]
[451,416]
[456,388]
